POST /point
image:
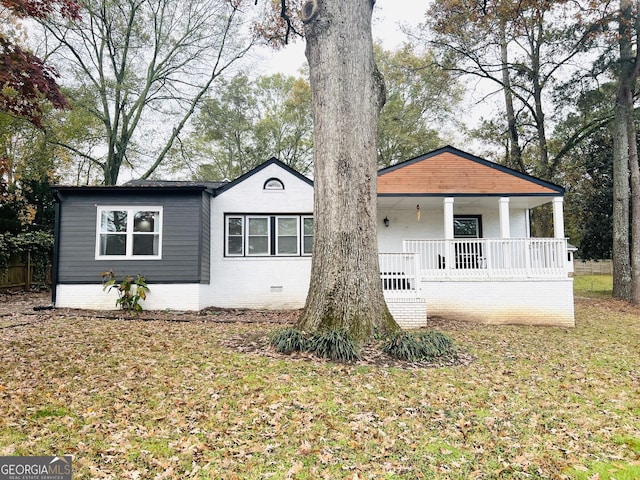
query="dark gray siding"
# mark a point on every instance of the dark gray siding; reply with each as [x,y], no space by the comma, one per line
[182,235]
[205,239]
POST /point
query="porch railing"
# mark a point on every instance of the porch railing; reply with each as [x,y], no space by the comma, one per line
[399,272]
[490,257]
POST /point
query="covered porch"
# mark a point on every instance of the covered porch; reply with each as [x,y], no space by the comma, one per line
[484,236]
[453,229]
[435,249]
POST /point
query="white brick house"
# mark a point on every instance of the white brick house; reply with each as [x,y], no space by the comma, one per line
[452,228]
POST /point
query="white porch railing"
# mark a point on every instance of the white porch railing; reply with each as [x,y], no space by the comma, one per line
[399,272]
[490,257]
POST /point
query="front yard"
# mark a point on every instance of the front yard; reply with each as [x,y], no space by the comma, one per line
[167,399]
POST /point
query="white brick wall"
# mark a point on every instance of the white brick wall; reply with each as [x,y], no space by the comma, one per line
[526,302]
[259,282]
[408,312]
[160,297]
[514,302]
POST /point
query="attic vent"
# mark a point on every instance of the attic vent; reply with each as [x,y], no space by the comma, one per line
[273,184]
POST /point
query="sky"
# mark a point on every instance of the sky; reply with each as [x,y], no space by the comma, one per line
[388,16]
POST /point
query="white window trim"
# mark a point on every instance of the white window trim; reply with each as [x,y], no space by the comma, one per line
[226,236]
[273,238]
[277,237]
[131,210]
[247,236]
[302,236]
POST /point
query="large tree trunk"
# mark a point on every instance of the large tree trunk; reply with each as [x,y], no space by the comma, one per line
[348,94]
[634,178]
[634,168]
[623,147]
[620,247]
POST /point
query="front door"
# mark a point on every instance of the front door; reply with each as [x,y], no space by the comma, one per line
[468,252]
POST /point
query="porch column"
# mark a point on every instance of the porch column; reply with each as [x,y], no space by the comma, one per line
[558,218]
[505,226]
[448,233]
[448,218]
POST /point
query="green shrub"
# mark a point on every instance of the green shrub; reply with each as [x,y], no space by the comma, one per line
[288,340]
[130,291]
[33,247]
[435,344]
[403,346]
[413,348]
[334,345]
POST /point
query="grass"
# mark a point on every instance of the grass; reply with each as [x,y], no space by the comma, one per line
[593,285]
[136,399]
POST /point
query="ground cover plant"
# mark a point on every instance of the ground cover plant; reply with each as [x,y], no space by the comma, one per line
[135,398]
[418,348]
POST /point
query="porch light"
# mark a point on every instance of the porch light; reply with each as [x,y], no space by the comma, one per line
[386,221]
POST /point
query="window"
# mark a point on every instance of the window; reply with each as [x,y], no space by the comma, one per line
[287,235]
[258,236]
[467,226]
[273,184]
[129,232]
[235,236]
[268,235]
[307,235]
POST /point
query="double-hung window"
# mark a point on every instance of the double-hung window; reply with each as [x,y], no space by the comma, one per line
[268,235]
[287,236]
[258,238]
[307,235]
[129,233]
[234,244]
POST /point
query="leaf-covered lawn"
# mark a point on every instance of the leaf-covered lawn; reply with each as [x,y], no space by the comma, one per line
[158,399]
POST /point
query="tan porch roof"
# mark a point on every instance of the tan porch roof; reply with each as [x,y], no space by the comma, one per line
[449,171]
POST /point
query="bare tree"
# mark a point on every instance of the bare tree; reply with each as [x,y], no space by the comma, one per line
[149,63]
[522,48]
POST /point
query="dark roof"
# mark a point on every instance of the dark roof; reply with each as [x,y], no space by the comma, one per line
[214,188]
[178,187]
[174,183]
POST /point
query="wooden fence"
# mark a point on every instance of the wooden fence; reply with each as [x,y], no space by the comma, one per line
[21,275]
[592,267]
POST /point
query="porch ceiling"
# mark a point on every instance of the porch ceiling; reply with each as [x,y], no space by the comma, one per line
[435,203]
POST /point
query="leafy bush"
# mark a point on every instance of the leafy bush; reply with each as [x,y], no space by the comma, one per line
[403,346]
[37,245]
[288,340]
[413,348]
[130,291]
[334,345]
[435,344]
